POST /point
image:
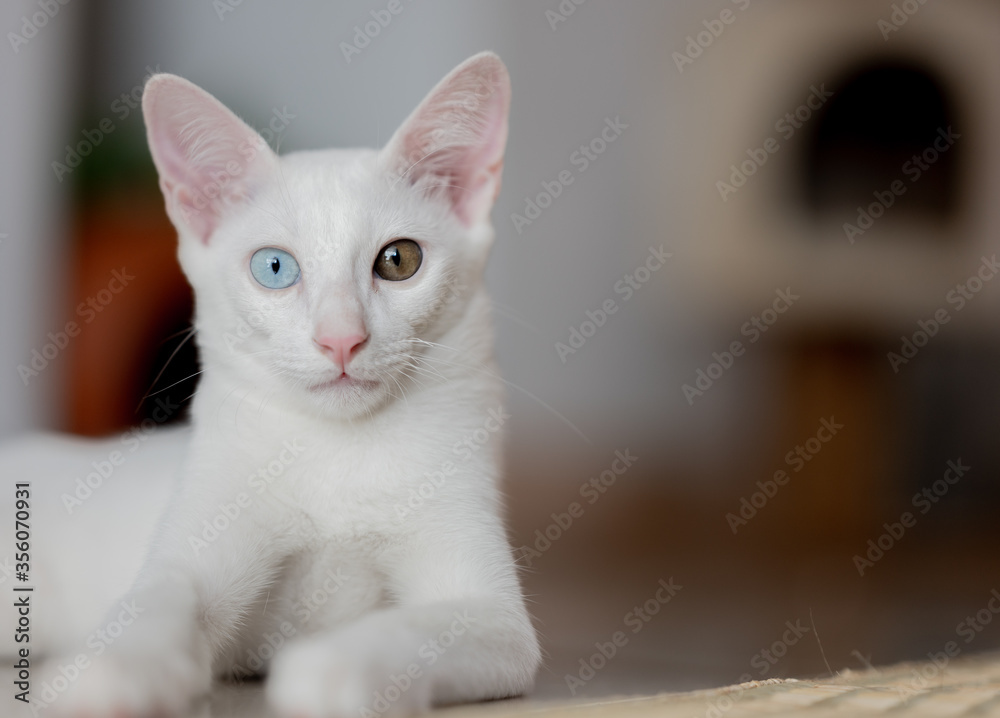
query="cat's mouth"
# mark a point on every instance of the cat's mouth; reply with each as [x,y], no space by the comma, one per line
[343,382]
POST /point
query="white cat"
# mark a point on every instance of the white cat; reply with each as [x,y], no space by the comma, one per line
[336,520]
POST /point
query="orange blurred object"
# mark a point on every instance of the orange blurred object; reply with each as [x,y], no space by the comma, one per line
[128,295]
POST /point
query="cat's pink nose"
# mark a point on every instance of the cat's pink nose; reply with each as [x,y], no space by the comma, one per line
[340,349]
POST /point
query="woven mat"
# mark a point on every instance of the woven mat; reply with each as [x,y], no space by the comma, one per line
[965,687]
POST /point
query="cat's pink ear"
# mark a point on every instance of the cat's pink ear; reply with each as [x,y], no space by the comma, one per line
[453,143]
[208,159]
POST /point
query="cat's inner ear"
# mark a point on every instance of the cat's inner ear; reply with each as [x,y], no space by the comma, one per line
[454,141]
[208,159]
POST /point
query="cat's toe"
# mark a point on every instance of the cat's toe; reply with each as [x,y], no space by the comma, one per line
[314,680]
[121,688]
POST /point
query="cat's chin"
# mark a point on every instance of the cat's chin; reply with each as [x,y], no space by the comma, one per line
[347,396]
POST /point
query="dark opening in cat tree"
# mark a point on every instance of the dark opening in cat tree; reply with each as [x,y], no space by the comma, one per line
[883,113]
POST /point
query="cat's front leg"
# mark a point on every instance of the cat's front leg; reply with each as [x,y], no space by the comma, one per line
[460,632]
[147,658]
[153,654]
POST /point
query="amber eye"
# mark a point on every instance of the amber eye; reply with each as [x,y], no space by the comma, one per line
[398,260]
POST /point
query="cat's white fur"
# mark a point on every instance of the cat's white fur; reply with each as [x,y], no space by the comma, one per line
[353,521]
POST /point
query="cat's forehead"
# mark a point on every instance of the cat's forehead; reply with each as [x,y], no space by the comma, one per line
[329,182]
[332,169]
[347,196]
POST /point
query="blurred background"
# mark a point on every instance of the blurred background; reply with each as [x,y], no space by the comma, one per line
[821,342]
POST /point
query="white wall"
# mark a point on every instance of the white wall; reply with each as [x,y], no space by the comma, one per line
[36,94]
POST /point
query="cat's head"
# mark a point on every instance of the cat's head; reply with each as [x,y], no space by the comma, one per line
[321,275]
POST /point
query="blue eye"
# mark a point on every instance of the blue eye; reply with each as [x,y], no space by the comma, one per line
[274,268]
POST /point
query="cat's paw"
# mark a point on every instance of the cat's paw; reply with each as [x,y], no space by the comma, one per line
[316,679]
[123,686]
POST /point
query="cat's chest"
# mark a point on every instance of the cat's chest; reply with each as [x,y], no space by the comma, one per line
[347,487]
